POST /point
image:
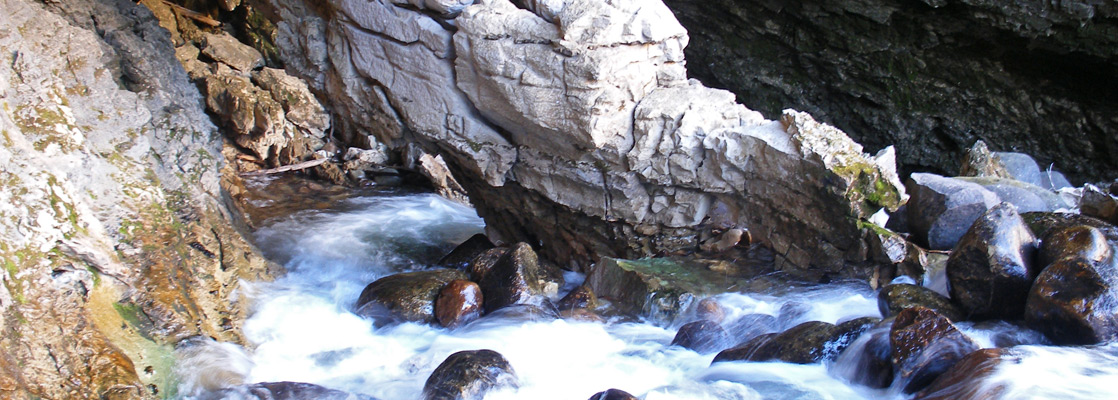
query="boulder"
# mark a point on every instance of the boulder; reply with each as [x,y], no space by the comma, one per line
[807,343]
[892,299]
[1099,204]
[925,344]
[613,394]
[1079,241]
[941,209]
[514,278]
[702,336]
[482,263]
[750,326]
[228,50]
[253,118]
[1025,196]
[468,375]
[282,391]
[465,253]
[1054,180]
[1075,301]
[1042,224]
[709,309]
[301,107]
[1021,167]
[967,379]
[579,298]
[991,269]
[459,303]
[405,297]
[659,288]
[873,360]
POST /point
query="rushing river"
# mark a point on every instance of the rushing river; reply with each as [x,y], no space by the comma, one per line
[303,329]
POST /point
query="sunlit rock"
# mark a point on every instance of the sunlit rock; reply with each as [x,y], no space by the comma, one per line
[469,375]
[405,297]
[992,267]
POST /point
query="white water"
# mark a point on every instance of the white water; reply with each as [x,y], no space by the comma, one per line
[303,330]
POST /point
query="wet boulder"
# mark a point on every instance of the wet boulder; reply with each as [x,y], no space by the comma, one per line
[873,360]
[806,343]
[483,262]
[459,302]
[1099,204]
[405,297]
[709,309]
[579,298]
[702,336]
[1075,301]
[468,375]
[925,344]
[967,379]
[892,299]
[1079,241]
[992,268]
[514,278]
[940,209]
[282,391]
[1043,224]
[657,288]
[465,253]
[613,394]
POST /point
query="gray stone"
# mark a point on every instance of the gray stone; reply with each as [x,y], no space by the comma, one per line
[1025,196]
[941,209]
[1054,180]
[1022,167]
[227,50]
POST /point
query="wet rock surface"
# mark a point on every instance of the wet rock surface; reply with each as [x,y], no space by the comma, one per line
[941,209]
[925,344]
[581,297]
[992,268]
[966,379]
[465,253]
[613,394]
[1075,301]
[283,391]
[468,375]
[702,337]
[658,288]
[459,303]
[1080,241]
[405,297]
[807,343]
[892,299]
[514,279]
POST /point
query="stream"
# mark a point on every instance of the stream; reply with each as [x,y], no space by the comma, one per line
[303,328]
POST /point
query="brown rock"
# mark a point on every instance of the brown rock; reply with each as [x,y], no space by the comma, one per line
[991,269]
[468,375]
[581,297]
[464,254]
[514,278]
[806,343]
[613,394]
[1080,241]
[226,49]
[1075,301]
[895,298]
[485,262]
[925,344]
[966,380]
[701,336]
[459,302]
[405,297]
[710,310]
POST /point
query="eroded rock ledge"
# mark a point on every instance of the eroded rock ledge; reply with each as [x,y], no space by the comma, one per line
[573,126]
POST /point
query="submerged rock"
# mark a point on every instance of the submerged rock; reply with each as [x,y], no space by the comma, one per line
[514,278]
[702,336]
[897,297]
[874,361]
[941,209]
[967,378]
[992,268]
[459,302]
[925,344]
[468,375]
[750,326]
[405,297]
[709,309]
[659,288]
[1075,301]
[282,391]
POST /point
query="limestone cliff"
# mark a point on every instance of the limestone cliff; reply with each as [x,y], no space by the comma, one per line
[573,126]
[114,237]
[929,76]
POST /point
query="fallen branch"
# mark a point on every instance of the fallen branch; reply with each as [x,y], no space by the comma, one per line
[285,168]
[194,15]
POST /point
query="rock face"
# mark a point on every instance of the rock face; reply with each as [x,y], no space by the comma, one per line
[992,268]
[1075,301]
[468,375]
[574,126]
[115,231]
[929,76]
[925,344]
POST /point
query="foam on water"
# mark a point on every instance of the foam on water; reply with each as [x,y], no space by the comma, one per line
[303,329]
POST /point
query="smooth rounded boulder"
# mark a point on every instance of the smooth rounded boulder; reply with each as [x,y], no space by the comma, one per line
[991,269]
[806,343]
[405,297]
[468,375]
[940,209]
[459,302]
[465,253]
[892,299]
[1075,301]
[514,278]
[1080,241]
[613,394]
[925,344]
